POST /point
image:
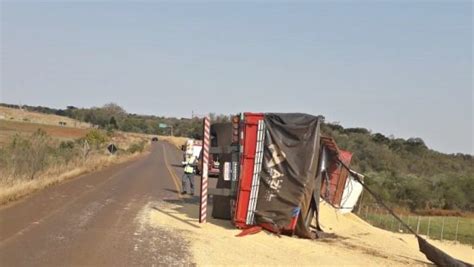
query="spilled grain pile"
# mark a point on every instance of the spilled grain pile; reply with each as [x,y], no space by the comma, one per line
[357,242]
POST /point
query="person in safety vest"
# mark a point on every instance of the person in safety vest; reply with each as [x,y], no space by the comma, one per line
[188,176]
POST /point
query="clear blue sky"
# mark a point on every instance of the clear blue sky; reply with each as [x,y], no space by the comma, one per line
[394,67]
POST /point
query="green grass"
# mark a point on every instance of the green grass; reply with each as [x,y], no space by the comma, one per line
[465,226]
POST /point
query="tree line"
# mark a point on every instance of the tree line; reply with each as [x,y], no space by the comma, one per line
[406,172]
[113,117]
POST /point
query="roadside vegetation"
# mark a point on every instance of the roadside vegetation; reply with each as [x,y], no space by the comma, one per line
[405,172]
[456,228]
[112,116]
[29,162]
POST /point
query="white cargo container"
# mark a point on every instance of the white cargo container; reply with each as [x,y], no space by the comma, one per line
[351,194]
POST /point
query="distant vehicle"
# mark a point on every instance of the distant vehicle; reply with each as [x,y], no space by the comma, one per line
[154,139]
[213,165]
[194,148]
[191,148]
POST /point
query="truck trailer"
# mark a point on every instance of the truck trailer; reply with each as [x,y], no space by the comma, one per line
[272,173]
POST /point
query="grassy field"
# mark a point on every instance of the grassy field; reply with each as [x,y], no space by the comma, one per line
[57,153]
[455,228]
[56,163]
[174,140]
[18,115]
[22,122]
[36,152]
[9,128]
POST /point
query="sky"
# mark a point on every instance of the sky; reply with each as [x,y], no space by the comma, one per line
[401,68]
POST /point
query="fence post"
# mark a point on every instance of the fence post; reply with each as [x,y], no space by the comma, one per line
[442,228]
[380,218]
[408,220]
[457,228]
[418,225]
[399,225]
[366,212]
[391,224]
[429,224]
[360,202]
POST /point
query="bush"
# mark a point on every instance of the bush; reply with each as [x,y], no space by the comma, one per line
[67,151]
[96,138]
[110,131]
[66,145]
[28,156]
[136,147]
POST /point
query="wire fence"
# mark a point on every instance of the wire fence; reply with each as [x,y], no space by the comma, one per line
[435,227]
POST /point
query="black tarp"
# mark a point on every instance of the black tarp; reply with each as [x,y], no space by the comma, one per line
[288,176]
[222,137]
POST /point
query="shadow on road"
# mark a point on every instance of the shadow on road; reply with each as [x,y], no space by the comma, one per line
[172,215]
[171,190]
[421,262]
[189,206]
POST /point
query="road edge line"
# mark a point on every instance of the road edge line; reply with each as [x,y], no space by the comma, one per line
[172,173]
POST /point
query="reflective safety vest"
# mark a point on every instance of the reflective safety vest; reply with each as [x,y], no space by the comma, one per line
[189,168]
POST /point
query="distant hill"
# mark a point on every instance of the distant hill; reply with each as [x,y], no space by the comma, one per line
[25,114]
[404,171]
[15,121]
[407,172]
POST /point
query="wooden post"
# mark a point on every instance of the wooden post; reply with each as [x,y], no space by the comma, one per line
[418,225]
[360,202]
[399,224]
[442,228]
[408,220]
[381,216]
[457,228]
[428,230]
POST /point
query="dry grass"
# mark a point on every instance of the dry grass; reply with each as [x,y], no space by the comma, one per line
[17,122]
[9,128]
[17,115]
[174,140]
[56,174]
[13,187]
[124,140]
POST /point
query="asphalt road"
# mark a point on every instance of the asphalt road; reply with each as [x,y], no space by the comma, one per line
[91,220]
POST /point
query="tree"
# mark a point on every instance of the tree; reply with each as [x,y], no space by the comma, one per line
[114,110]
[416,142]
[380,138]
[113,123]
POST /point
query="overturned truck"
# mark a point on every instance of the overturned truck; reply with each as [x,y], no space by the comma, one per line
[274,169]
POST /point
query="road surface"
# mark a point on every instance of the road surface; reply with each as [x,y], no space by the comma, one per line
[92,220]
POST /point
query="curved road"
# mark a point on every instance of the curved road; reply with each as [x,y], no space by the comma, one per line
[91,220]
